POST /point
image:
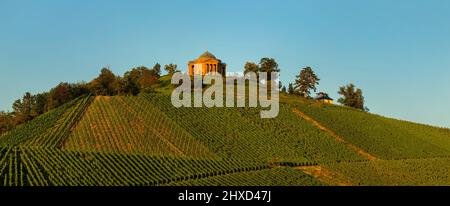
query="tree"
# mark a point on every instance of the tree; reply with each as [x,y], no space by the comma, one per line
[280,85]
[6,121]
[136,80]
[251,67]
[104,83]
[283,89]
[129,84]
[291,89]
[120,86]
[59,95]
[22,109]
[39,105]
[268,65]
[79,89]
[306,81]
[147,79]
[157,69]
[352,97]
[171,68]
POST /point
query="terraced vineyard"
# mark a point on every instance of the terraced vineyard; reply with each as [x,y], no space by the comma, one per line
[144,140]
[26,166]
[47,127]
[267,177]
[240,133]
[426,171]
[130,125]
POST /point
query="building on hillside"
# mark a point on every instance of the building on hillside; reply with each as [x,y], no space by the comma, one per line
[323,97]
[206,63]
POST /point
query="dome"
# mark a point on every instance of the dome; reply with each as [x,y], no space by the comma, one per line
[207,55]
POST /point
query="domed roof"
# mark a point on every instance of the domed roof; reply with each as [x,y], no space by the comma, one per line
[207,55]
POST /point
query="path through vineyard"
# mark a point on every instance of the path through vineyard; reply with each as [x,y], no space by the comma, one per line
[338,138]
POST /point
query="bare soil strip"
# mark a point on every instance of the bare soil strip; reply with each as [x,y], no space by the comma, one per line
[338,138]
[324,175]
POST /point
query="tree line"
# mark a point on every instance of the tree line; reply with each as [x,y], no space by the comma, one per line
[141,79]
[106,84]
[306,82]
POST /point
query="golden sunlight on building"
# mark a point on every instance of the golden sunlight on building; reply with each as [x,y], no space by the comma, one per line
[323,97]
[206,63]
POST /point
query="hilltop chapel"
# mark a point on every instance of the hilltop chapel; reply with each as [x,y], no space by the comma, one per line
[206,63]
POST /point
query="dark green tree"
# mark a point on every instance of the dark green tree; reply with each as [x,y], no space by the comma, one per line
[307,80]
[291,89]
[59,95]
[79,89]
[352,97]
[39,105]
[170,68]
[126,86]
[251,67]
[130,83]
[104,83]
[157,69]
[268,65]
[22,109]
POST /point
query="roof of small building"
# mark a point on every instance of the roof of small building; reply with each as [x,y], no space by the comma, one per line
[207,55]
[323,96]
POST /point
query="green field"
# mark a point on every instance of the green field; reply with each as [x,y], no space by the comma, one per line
[144,140]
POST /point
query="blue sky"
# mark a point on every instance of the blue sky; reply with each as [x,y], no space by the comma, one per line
[398,52]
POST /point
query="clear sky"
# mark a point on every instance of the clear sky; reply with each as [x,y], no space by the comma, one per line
[398,51]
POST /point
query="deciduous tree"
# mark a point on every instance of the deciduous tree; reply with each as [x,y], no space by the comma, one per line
[170,68]
[251,67]
[22,109]
[291,89]
[268,65]
[104,83]
[352,97]
[157,69]
[39,105]
[307,80]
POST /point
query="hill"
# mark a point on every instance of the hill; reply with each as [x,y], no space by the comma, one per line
[144,140]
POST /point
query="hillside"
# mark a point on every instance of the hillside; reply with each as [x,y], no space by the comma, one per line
[144,140]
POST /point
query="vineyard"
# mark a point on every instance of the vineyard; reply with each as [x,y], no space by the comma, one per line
[383,137]
[240,133]
[43,127]
[130,125]
[267,177]
[43,166]
[144,141]
[425,171]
